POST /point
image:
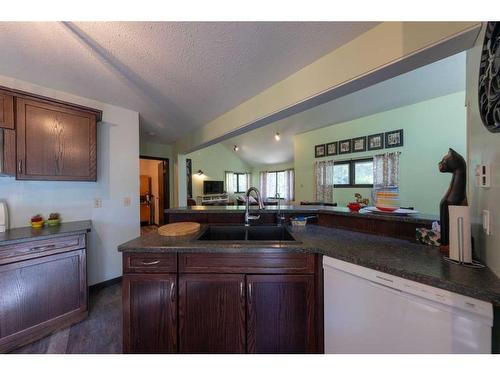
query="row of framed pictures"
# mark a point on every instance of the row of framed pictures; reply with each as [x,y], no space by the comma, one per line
[379,141]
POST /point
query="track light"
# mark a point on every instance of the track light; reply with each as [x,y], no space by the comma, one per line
[277,136]
[236,148]
[200,172]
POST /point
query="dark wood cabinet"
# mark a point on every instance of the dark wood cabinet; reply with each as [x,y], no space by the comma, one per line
[212,313]
[223,305]
[55,142]
[149,313]
[281,314]
[9,152]
[40,295]
[6,110]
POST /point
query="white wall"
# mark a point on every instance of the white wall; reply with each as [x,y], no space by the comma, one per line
[117,178]
[484,147]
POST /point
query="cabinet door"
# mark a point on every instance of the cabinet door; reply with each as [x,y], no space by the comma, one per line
[6,111]
[149,313]
[280,315]
[55,142]
[211,313]
[39,295]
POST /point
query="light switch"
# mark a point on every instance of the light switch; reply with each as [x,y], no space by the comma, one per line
[486,222]
[127,201]
[97,202]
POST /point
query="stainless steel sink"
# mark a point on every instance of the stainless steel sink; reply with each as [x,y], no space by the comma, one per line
[240,233]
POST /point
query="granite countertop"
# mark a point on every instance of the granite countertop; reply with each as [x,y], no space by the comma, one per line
[298,209]
[401,258]
[28,233]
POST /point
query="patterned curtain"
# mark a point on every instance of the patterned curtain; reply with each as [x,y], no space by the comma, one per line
[289,185]
[263,184]
[386,170]
[230,182]
[323,174]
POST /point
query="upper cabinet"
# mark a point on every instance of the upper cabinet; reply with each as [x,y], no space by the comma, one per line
[6,111]
[55,142]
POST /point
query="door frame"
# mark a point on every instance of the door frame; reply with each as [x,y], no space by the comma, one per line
[166,179]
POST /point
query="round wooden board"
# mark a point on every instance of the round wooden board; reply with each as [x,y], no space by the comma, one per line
[179,229]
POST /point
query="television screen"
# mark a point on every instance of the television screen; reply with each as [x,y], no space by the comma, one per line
[213,187]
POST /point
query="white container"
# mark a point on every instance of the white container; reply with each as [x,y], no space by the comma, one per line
[4,216]
[460,234]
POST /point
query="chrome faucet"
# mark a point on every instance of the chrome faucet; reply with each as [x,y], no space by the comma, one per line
[249,217]
[280,218]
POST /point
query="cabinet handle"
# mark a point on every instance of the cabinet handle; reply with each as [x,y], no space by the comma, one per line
[172,287]
[250,290]
[152,263]
[20,166]
[45,247]
[241,289]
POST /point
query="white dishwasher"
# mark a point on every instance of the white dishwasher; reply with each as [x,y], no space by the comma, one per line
[367,311]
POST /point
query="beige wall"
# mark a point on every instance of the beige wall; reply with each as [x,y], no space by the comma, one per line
[484,147]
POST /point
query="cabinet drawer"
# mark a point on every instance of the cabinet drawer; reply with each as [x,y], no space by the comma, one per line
[273,263]
[149,263]
[33,249]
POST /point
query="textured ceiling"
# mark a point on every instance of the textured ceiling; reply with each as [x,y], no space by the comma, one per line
[443,77]
[177,75]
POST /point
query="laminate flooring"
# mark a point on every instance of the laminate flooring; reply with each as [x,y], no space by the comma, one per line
[100,333]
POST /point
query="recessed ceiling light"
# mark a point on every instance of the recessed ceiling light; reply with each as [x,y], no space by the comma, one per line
[277,136]
[236,148]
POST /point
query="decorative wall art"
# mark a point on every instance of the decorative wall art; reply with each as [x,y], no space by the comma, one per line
[319,151]
[359,144]
[394,138]
[332,148]
[345,146]
[376,141]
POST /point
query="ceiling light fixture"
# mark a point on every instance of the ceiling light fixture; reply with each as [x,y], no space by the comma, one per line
[200,172]
[277,136]
[236,148]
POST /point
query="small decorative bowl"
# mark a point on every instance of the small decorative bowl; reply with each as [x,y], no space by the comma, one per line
[53,222]
[353,206]
[387,208]
[37,224]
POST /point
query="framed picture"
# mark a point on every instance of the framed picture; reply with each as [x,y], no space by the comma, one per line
[189,178]
[319,151]
[331,148]
[345,146]
[376,141]
[394,138]
[359,144]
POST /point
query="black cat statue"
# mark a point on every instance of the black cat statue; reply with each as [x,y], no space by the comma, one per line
[456,195]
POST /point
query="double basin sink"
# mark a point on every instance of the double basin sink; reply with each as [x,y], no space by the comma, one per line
[240,233]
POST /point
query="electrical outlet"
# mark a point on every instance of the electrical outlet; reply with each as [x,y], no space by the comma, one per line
[97,202]
[127,201]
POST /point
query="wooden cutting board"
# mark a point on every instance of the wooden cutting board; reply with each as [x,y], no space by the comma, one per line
[179,229]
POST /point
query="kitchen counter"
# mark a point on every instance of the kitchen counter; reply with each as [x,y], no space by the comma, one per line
[398,257]
[16,235]
[419,218]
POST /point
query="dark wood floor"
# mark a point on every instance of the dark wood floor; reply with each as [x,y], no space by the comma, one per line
[101,332]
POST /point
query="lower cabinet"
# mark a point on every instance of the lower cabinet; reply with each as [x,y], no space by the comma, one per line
[280,314]
[231,312]
[150,313]
[212,313]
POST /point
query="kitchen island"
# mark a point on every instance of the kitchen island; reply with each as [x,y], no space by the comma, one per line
[290,275]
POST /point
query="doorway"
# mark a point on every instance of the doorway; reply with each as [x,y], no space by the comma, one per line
[154,193]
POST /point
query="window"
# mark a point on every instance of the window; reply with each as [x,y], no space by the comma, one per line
[240,182]
[277,182]
[353,173]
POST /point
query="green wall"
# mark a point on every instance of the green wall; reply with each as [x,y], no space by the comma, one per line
[214,161]
[430,128]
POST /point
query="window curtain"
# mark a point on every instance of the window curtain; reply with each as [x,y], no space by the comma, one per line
[263,184]
[386,170]
[230,187]
[323,174]
[249,180]
[289,185]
